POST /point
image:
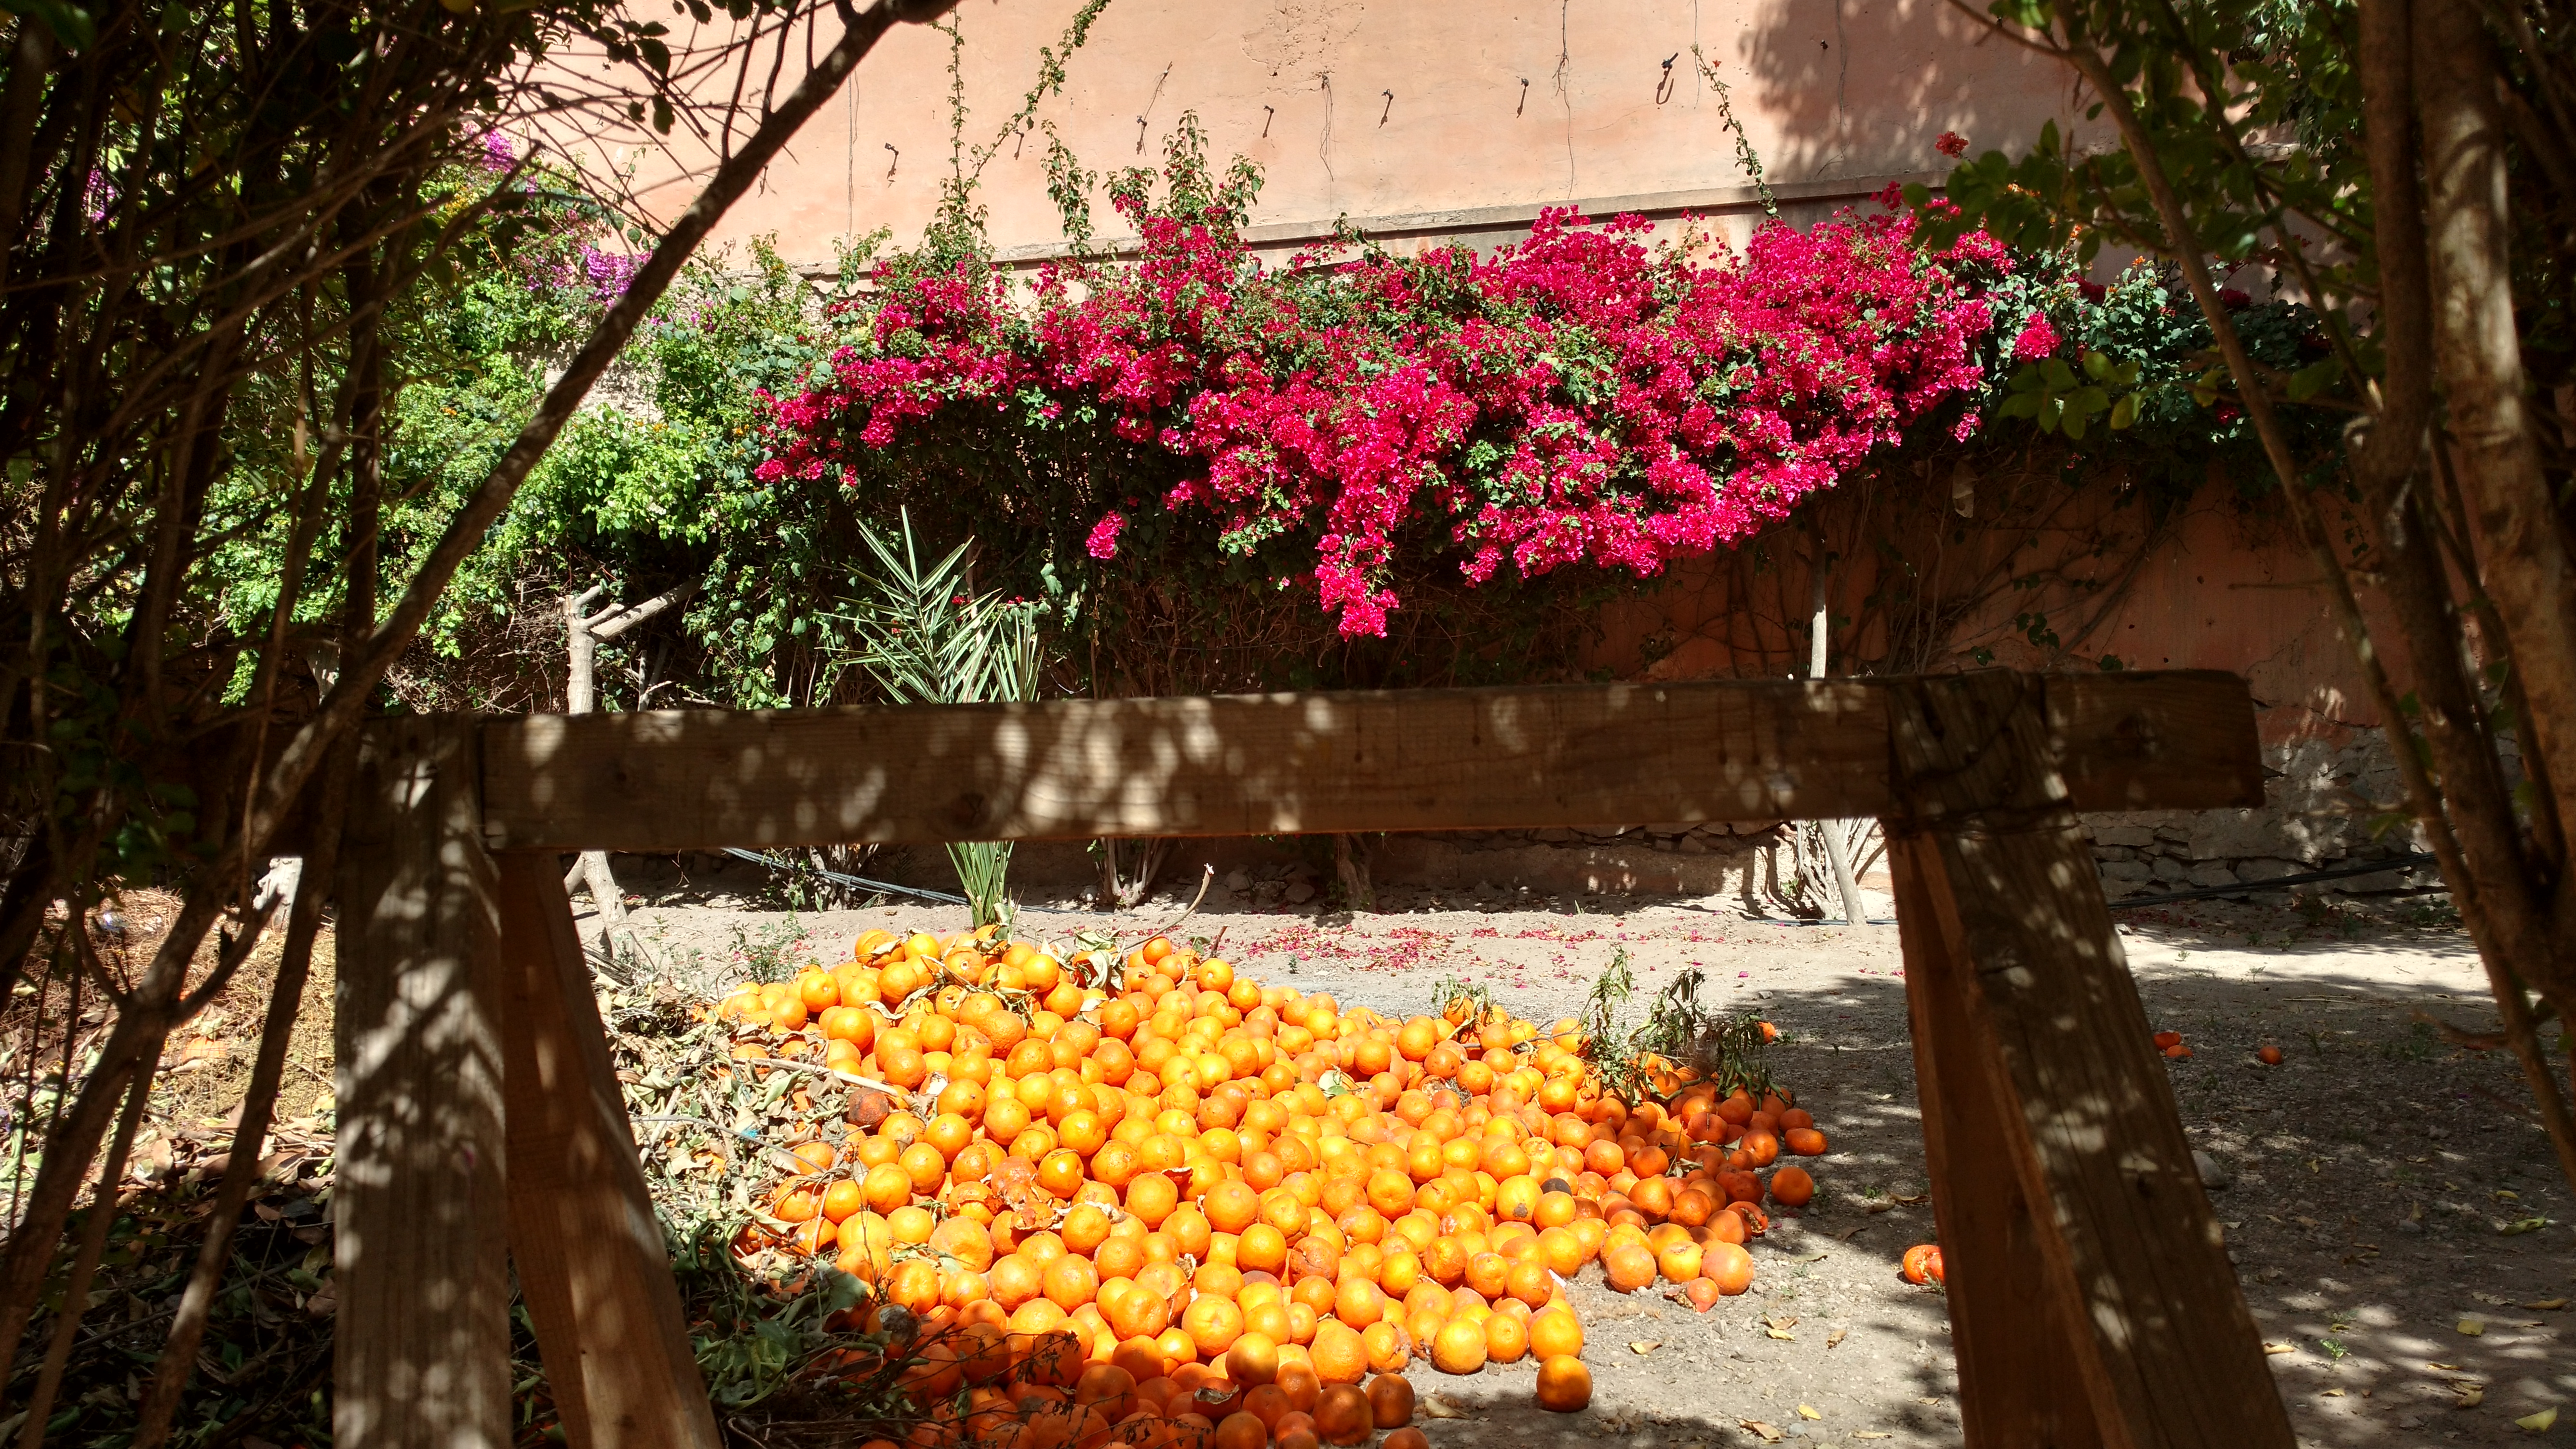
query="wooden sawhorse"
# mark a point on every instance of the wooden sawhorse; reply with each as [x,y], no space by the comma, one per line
[481,1126]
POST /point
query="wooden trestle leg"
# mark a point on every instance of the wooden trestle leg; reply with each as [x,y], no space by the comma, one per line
[480,1123]
[422,1340]
[590,1255]
[2091,1298]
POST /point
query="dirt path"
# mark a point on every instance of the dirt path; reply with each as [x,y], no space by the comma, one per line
[2372,1178]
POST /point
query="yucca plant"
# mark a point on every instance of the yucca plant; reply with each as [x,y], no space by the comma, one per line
[926,637]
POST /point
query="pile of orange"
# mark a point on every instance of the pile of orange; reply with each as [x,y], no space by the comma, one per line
[1180,1179]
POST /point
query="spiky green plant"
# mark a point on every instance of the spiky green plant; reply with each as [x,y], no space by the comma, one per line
[926,637]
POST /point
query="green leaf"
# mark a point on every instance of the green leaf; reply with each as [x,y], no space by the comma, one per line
[2096,366]
[2315,378]
[2124,413]
[2059,375]
[71,24]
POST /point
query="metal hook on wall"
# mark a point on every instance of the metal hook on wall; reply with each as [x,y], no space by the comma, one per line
[1664,87]
[1524,105]
[897,161]
[1268,114]
[1390,107]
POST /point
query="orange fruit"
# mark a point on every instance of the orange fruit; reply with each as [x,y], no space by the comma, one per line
[1342,1415]
[1231,1207]
[1459,1347]
[1506,1339]
[1070,1281]
[1564,1385]
[1240,1430]
[1390,1400]
[1359,1302]
[1338,1354]
[1556,1333]
[1212,1323]
[1792,1187]
[1679,1262]
[1108,1388]
[1629,1267]
[1729,1266]
[1387,1346]
[1253,1358]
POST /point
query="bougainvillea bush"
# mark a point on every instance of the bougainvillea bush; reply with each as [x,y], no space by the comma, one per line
[1582,399]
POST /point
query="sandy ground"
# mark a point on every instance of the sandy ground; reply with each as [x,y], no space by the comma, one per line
[2371,1179]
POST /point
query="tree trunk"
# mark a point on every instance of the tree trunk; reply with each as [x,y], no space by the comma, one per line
[581,693]
[1350,867]
[2523,556]
[1837,846]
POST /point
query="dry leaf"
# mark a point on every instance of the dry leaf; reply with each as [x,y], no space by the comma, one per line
[2548,1304]
[1876,1205]
[2491,1298]
[2538,1423]
[1760,1430]
[1441,1406]
[1644,1346]
[2474,1328]
[1782,1334]
[1835,1337]
[2442,1367]
[2331,1394]
[2280,1348]
[2470,1396]
[1807,1413]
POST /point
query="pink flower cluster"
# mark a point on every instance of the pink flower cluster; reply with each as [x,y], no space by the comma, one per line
[1581,397]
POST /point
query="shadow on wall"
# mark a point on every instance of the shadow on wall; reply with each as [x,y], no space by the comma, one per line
[1860,87]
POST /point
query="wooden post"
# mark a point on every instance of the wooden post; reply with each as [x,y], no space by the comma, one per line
[423,1335]
[589,1251]
[2060,1170]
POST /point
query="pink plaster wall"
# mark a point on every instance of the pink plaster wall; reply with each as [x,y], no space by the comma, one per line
[2227,588]
[1828,90]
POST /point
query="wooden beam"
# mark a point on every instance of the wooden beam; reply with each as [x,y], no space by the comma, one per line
[591,1260]
[422,1339]
[1448,759]
[2047,1019]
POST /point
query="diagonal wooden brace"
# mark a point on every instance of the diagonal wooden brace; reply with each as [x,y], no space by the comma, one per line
[590,1253]
[2091,1297]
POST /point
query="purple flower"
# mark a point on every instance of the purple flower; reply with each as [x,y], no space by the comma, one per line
[609,273]
[2037,339]
[498,153]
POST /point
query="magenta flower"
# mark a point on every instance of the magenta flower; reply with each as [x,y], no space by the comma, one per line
[1951,144]
[1579,399]
[2037,339]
